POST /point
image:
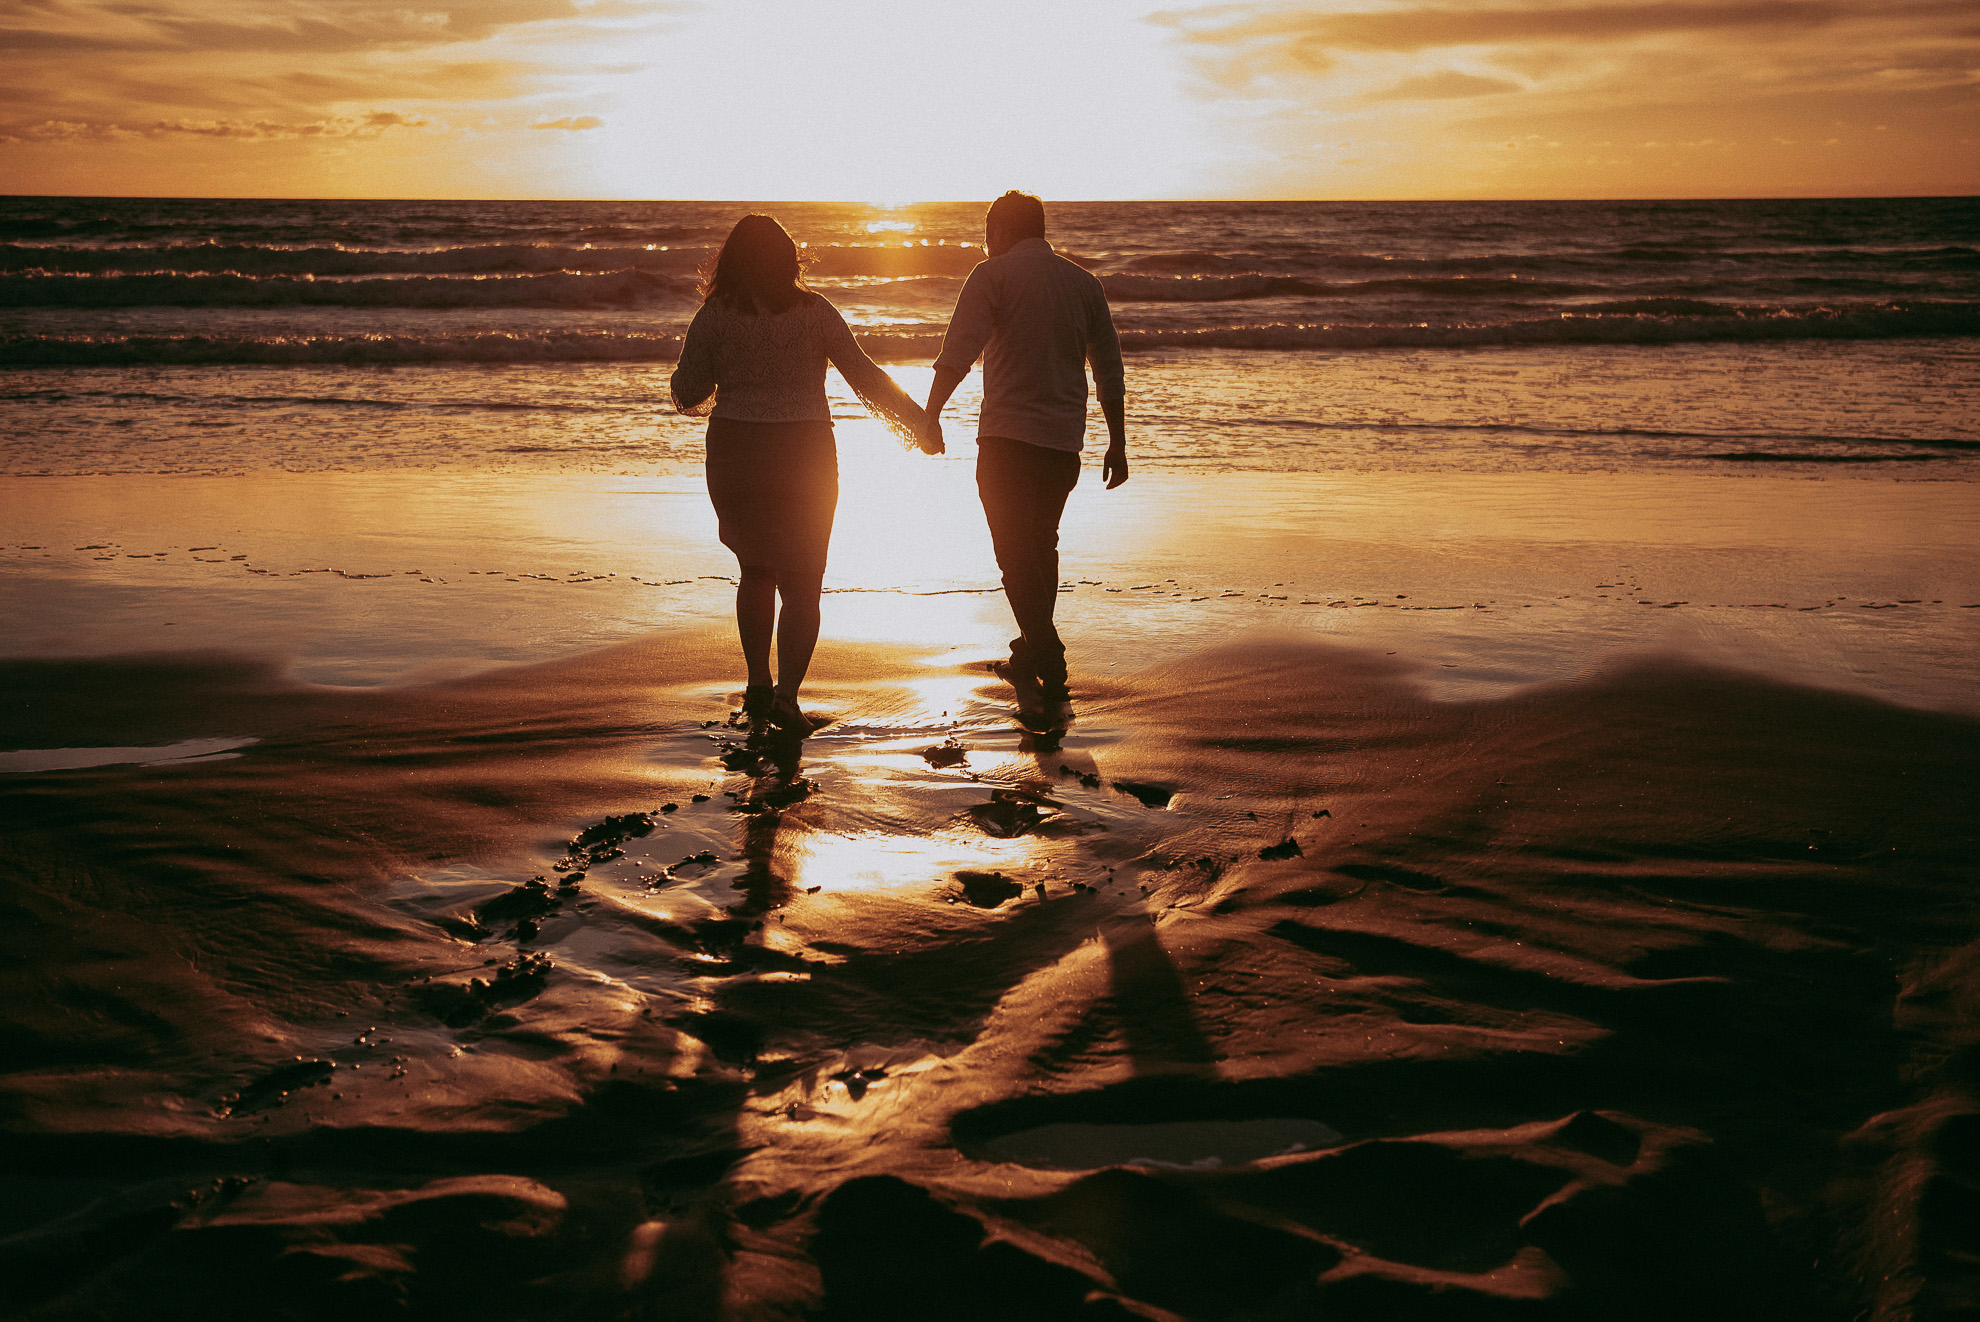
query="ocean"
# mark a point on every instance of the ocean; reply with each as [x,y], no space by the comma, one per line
[229,336]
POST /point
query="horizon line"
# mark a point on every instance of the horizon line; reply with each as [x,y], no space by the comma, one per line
[1082,201]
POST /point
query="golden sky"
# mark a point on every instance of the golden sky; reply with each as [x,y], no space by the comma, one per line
[909,100]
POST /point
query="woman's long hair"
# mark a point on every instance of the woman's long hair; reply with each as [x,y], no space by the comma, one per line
[758,269]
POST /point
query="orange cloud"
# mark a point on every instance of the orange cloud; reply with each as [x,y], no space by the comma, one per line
[1447,84]
[1454,25]
[305,96]
[1418,99]
[268,26]
[363,126]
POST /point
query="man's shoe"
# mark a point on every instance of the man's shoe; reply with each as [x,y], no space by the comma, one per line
[1017,672]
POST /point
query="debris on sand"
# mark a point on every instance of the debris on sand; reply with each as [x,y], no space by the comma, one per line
[948,753]
[600,843]
[521,979]
[858,1079]
[514,982]
[755,758]
[522,907]
[986,890]
[1153,796]
[1008,814]
[1286,848]
[273,1088]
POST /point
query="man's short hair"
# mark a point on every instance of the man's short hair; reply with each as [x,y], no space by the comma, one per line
[1020,215]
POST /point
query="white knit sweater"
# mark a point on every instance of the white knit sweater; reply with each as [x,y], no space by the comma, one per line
[770,366]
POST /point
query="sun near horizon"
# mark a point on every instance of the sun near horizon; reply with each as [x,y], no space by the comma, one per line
[891,102]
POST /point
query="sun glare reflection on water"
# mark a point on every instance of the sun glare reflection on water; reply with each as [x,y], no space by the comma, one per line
[911,558]
[890,791]
[899,862]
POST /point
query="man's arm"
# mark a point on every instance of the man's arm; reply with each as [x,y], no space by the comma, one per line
[1103,353]
[1113,407]
[969,330]
[944,385]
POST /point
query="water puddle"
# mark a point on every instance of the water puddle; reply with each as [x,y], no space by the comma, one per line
[72,759]
[1188,1144]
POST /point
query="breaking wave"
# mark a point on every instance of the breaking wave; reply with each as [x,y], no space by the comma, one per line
[250,260]
[562,289]
[1626,323]
[1213,288]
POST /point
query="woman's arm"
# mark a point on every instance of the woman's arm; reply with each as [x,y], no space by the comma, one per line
[882,396]
[693,383]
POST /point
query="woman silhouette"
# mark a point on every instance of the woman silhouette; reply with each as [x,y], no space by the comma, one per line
[754,364]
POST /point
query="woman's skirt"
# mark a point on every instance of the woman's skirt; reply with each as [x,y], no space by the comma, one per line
[775,486]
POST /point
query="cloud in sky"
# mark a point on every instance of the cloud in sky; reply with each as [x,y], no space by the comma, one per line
[304,96]
[903,98]
[265,28]
[363,126]
[1444,85]
[1552,99]
[1307,36]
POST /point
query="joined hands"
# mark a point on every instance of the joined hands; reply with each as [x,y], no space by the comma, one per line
[929,435]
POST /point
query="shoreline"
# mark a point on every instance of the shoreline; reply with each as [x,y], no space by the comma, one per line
[1856,410]
[1503,580]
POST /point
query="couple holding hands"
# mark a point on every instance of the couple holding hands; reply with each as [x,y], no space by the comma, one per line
[754,364]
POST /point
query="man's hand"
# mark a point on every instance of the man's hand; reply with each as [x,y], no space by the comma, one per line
[1113,406]
[1114,467]
[930,435]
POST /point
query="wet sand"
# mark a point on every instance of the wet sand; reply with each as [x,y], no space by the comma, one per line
[1491,899]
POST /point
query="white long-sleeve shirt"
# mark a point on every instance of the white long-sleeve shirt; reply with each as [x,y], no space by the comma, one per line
[770,366]
[1038,320]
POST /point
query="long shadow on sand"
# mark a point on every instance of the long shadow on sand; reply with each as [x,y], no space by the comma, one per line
[1645,997]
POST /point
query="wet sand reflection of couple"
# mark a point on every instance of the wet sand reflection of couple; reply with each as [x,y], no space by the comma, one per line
[754,363]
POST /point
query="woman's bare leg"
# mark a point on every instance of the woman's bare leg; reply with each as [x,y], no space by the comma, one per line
[797,630]
[756,619]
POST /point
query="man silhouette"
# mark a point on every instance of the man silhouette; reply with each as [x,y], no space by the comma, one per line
[1038,320]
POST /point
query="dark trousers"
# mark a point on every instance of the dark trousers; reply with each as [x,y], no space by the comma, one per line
[1024,488]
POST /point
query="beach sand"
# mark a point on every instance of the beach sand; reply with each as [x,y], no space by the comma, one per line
[1458,896]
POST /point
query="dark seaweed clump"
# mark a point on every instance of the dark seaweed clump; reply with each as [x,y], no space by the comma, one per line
[459,1006]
